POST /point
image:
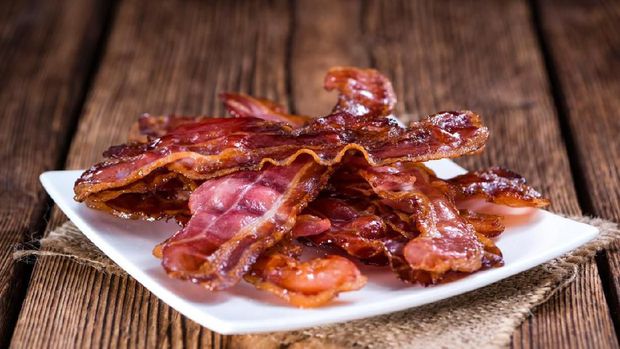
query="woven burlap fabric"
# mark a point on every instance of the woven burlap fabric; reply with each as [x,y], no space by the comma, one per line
[484,318]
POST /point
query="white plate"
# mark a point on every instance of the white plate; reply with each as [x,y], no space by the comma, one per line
[532,238]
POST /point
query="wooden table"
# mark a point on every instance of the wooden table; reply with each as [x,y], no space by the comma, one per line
[75,74]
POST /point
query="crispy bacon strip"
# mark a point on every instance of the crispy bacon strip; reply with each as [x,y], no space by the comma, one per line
[157,196]
[215,147]
[486,224]
[242,105]
[400,266]
[399,181]
[237,217]
[355,231]
[497,185]
[304,284]
[447,242]
[308,225]
[395,247]
[492,257]
[361,91]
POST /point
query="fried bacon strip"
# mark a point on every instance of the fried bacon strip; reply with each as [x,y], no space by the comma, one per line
[242,105]
[364,236]
[447,242]
[497,185]
[308,225]
[244,187]
[486,224]
[361,91]
[304,284]
[237,217]
[238,105]
[399,181]
[353,230]
[216,147]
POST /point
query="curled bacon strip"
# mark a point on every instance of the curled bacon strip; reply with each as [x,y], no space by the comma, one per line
[244,187]
[308,225]
[304,284]
[497,185]
[355,231]
[486,224]
[238,105]
[237,217]
[216,147]
[361,91]
[242,105]
[447,242]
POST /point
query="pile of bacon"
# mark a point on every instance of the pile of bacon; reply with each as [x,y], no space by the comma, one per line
[247,190]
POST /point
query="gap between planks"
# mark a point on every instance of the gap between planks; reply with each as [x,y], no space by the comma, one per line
[584,194]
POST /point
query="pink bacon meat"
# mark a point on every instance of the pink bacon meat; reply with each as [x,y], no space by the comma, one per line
[236,218]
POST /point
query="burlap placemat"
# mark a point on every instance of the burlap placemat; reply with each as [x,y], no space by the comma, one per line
[485,318]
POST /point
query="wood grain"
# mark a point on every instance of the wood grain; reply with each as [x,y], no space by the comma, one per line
[46,50]
[326,34]
[584,47]
[159,63]
[484,56]
[480,55]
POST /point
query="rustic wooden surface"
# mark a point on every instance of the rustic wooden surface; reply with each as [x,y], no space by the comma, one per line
[46,54]
[544,75]
[584,49]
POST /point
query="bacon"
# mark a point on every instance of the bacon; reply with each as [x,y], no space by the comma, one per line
[216,147]
[355,231]
[486,224]
[492,257]
[158,196]
[361,91]
[304,284]
[237,217]
[447,242]
[242,105]
[238,105]
[497,185]
[397,220]
[243,188]
[400,266]
[308,225]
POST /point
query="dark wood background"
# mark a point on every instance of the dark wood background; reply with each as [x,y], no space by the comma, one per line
[75,74]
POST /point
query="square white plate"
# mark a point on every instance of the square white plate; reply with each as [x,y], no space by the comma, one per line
[532,238]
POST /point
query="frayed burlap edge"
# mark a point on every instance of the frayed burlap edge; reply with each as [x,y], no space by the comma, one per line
[485,318]
[69,242]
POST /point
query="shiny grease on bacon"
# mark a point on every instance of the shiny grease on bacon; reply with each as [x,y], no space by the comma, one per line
[236,218]
[447,242]
[361,91]
[355,230]
[499,186]
[215,147]
[238,186]
[310,283]
[412,209]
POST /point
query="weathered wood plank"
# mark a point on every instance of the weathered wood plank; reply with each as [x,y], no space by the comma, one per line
[434,66]
[46,50]
[326,34]
[162,57]
[483,55]
[583,38]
